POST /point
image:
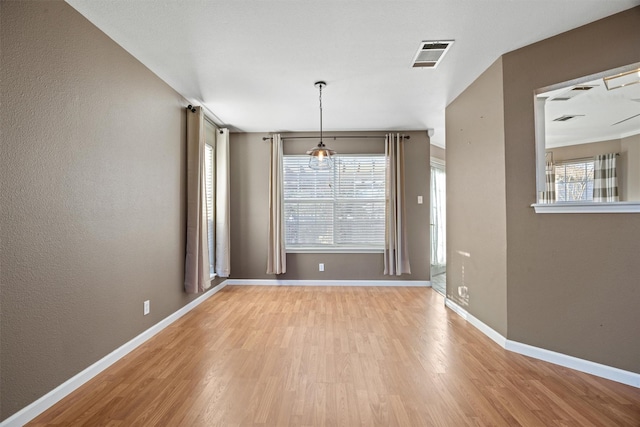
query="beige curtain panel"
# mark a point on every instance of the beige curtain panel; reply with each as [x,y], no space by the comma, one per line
[196,276]
[396,249]
[276,255]
[223,247]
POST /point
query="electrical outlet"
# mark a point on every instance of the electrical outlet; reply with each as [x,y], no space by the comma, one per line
[321,267]
[146,308]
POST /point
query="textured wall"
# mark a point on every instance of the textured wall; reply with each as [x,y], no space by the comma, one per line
[476,213]
[250,212]
[573,279]
[92,198]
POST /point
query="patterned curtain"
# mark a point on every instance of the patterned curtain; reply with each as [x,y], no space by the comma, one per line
[605,178]
[549,193]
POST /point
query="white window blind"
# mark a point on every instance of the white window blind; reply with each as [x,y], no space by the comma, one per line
[574,181]
[209,168]
[338,209]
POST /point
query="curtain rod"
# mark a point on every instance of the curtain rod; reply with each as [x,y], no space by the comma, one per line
[577,159]
[193,110]
[269,138]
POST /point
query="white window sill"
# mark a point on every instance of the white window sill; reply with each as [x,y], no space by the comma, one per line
[333,250]
[587,207]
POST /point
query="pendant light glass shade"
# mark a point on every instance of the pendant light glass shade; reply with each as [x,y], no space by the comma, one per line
[321,155]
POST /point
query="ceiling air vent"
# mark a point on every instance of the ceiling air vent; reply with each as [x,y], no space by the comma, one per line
[568,117]
[430,53]
[572,93]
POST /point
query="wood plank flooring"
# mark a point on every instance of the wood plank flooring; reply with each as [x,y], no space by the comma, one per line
[353,356]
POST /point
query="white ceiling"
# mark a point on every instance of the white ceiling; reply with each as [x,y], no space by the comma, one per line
[600,114]
[253,64]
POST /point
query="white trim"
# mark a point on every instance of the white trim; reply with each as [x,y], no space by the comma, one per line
[582,365]
[456,308]
[484,328]
[438,163]
[587,207]
[277,282]
[37,407]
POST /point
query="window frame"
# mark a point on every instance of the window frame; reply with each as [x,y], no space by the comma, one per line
[336,248]
[540,146]
[565,163]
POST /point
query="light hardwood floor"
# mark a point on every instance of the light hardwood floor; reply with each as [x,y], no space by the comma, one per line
[312,356]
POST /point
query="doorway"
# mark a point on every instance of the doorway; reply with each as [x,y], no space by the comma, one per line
[438,226]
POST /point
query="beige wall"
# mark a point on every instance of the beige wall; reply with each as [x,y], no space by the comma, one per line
[476,213]
[438,153]
[572,278]
[250,211]
[92,199]
[630,158]
[585,150]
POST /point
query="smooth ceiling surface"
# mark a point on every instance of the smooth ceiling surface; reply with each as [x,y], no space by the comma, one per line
[253,63]
[598,114]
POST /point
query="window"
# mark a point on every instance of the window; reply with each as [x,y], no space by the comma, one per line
[338,209]
[574,181]
[209,169]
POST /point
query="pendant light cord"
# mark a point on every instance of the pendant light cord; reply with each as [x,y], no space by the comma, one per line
[320,86]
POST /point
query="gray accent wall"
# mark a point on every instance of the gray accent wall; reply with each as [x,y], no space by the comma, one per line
[250,211]
[92,203]
[572,280]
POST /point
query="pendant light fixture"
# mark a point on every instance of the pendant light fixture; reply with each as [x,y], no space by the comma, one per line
[321,154]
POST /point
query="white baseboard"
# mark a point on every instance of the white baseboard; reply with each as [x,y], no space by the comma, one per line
[277,282]
[593,368]
[37,407]
[455,307]
[587,366]
[488,331]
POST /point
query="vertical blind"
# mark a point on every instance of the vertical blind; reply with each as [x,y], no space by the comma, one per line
[209,184]
[340,208]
